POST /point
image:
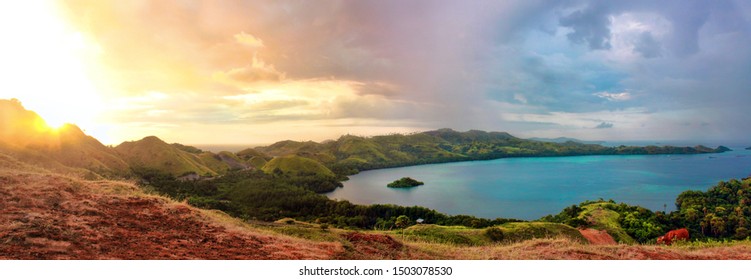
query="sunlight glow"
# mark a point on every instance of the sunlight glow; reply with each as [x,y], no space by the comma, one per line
[43,64]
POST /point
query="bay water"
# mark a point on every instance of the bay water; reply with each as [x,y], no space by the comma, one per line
[529,188]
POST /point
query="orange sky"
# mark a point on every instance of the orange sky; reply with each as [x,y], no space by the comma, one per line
[125,70]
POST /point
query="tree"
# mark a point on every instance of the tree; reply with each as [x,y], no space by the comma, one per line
[402,222]
[691,214]
[718,226]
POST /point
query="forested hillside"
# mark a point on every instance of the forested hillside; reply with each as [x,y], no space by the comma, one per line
[350,154]
[722,212]
[256,195]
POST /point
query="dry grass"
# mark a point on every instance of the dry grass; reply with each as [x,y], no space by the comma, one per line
[566,249]
[50,216]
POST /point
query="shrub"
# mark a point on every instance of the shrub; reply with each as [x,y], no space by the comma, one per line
[495,234]
[741,233]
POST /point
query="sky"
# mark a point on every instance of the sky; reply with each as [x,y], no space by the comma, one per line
[253,72]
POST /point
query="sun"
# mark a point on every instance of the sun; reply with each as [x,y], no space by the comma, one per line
[55,124]
[44,64]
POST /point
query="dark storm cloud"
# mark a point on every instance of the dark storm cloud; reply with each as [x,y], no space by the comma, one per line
[590,25]
[604,125]
[647,46]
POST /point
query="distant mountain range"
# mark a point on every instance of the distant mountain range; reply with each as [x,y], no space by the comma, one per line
[350,154]
[25,136]
[566,139]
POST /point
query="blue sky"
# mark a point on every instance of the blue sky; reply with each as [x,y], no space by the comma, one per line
[260,71]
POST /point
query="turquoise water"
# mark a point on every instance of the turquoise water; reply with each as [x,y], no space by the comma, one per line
[529,188]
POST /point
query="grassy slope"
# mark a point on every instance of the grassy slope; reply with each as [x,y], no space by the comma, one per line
[607,220]
[297,164]
[437,242]
[49,216]
[26,136]
[152,152]
[257,162]
[512,232]
[565,249]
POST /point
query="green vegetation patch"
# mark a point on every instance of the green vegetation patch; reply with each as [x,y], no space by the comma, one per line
[625,223]
[723,211]
[505,233]
[405,182]
[457,235]
[519,231]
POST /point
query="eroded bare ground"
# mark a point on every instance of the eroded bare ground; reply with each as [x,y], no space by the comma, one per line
[47,216]
[597,237]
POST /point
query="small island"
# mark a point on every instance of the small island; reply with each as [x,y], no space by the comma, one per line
[405,182]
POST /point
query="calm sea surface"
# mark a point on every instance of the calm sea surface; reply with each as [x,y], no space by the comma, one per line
[529,188]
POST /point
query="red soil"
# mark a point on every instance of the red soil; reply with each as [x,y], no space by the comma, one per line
[597,237]
[374,246]
[55,217]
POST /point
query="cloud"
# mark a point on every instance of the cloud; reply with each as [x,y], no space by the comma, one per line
[620,96]
[258,70]
[379,88]
[520,98]
[604,125]
[639,34]
[648,46]
[249,40]
[590,25]
[541,67]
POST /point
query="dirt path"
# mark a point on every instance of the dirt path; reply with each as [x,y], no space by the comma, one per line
[597,237]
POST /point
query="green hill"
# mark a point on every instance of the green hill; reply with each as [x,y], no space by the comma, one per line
[257,162]
[253,158]
[26,136]
[80,150]
[232,161]
[350,154]
[153,153]
[250,153]
[601,217]
[296,164]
